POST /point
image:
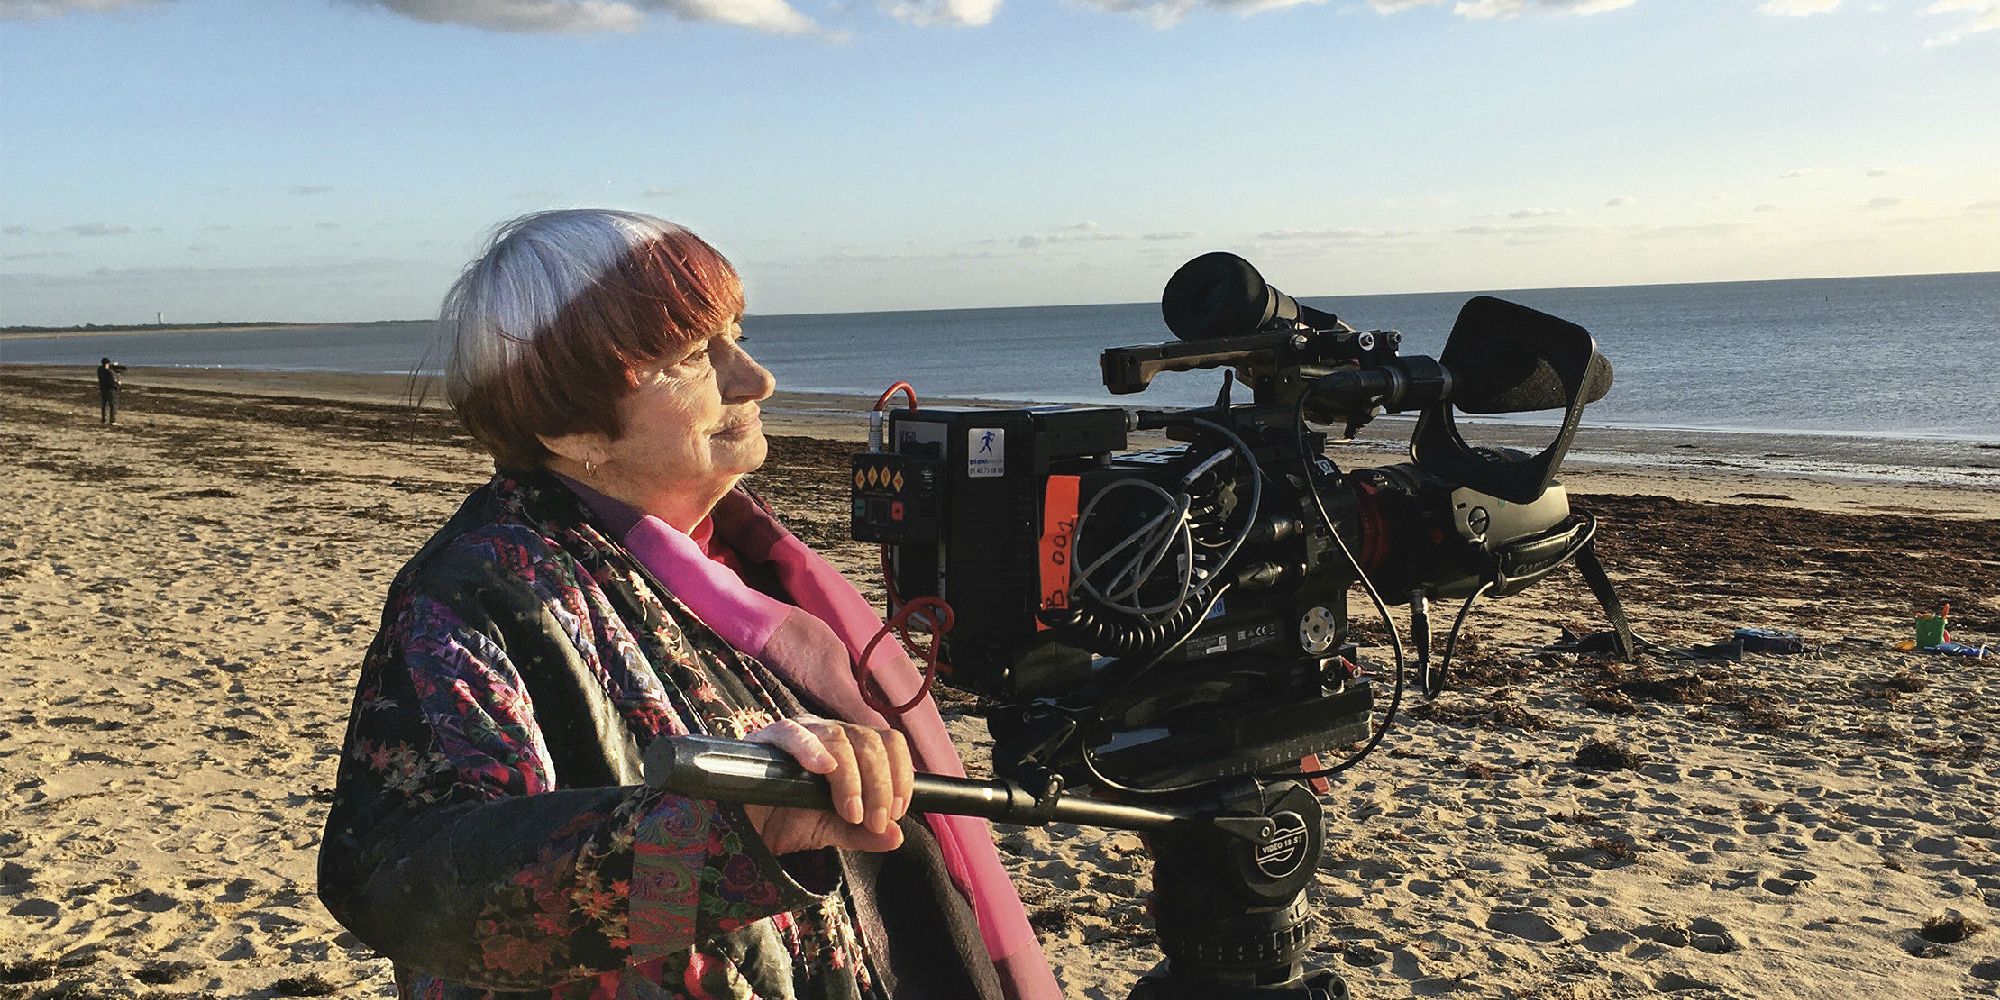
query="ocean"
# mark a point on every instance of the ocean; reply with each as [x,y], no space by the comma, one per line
[1887,358]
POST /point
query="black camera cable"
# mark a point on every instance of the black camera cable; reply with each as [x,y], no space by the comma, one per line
[1209,597]
[1192,588]
[1256,477]
[1155,540]
[1432,682]
[1367,586]
[1089,759]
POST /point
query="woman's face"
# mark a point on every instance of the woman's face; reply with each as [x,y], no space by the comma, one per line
[691,429]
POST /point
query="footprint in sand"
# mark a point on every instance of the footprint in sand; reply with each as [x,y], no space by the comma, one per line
[1789,881]
[1674,982]
[35,906]
[149,901]
[1612,941]
[1526,924]
[1701,933]
[237,891]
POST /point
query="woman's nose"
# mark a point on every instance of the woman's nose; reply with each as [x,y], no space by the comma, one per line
[743,379]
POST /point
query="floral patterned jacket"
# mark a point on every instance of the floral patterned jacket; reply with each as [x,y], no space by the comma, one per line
[490,833]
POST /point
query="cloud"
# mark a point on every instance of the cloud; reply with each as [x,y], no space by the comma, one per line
[1490,10]
[36,10]
[326,225]
[1981,15]
[1535,213]
[1075,232]
[97,229]
[1079,232]
[1621,201]
[1797,8]
[1768,206]
[598,16]
[774,16]
[1495,10]
[1539,230]
[1690,229]
[660,192]
[308,190]
[552,16]
[966,13]
[1162,237]
[1337,234]
[1989,205]
[1877,204]
[18,231]
[1880,172]
[848,255]
[306,272]
[1166,13]
[39,255]
[1803,172]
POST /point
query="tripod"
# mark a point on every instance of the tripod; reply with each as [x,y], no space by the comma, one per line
[1231,861]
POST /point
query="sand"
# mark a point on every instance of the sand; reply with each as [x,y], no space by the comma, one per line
[184,600]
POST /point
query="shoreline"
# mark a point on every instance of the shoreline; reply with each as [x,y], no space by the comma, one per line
[148,329]
[222,378]
[1834,473]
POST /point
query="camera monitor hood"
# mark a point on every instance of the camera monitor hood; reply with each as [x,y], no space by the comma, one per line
[1508,358]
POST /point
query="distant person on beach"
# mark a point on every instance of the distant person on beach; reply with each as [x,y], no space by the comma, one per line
[107,391]
[611,585]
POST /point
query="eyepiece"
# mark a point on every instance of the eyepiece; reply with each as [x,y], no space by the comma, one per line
[1220,295]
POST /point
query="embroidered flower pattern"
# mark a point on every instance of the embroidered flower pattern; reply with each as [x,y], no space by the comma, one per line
[485,827]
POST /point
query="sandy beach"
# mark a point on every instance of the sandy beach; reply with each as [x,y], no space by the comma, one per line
[184,599]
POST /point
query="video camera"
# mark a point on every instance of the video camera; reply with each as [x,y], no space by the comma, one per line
[1179,613]
[1165,630]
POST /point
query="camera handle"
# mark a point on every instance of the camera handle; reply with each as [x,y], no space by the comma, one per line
[1230,869]
[705,767]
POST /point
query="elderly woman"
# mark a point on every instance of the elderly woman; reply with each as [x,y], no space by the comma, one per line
[491,832]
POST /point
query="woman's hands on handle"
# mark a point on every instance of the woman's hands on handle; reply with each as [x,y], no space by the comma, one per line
[869,772]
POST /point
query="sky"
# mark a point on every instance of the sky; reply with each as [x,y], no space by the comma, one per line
[341,160]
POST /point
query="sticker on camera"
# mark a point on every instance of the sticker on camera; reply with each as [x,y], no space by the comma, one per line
[985,452]
[1208,645]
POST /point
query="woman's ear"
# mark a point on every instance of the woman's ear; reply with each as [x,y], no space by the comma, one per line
[583,448]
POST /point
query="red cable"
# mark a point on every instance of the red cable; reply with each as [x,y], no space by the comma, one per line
[904,387]
[889,582]
[882,403]
[939,622]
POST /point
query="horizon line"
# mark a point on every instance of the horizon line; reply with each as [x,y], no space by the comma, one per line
[169,325]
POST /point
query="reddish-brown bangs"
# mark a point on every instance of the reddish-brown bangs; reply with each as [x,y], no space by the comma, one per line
[664,297]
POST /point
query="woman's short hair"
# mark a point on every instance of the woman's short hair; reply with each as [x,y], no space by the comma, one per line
[547,330]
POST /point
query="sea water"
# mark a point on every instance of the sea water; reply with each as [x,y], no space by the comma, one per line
[1877,357]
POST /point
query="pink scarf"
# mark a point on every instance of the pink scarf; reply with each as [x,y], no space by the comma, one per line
[811,646]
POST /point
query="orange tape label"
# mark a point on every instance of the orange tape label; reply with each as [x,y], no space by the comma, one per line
[1058,539]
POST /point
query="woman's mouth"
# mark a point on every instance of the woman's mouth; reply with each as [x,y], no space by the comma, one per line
[741,428]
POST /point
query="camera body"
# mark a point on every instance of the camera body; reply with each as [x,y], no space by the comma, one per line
[1179,612]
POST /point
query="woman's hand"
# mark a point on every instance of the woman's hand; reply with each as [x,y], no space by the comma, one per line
[869,771]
